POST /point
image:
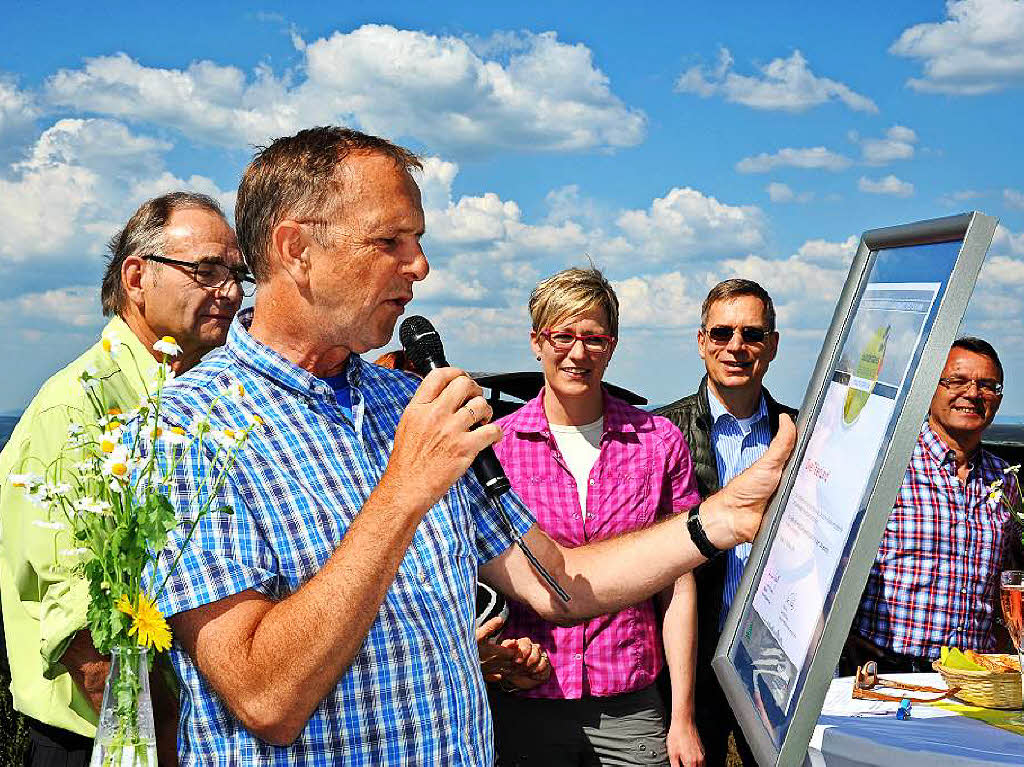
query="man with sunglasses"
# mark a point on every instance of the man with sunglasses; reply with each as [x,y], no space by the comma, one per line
[175,270]
[935,580]
[728,424]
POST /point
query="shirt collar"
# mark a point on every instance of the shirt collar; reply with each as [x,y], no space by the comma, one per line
[717,410]
[145,363]
[265,361]
[942,453]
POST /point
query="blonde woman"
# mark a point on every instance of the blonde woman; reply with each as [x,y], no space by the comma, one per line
[590,466]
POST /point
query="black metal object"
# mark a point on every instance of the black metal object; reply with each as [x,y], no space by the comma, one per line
[1007,441]
[525,385]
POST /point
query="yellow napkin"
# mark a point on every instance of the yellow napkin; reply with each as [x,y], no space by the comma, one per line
[951,657]
[996,717]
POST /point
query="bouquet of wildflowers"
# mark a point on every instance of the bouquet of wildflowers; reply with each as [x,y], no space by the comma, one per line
[105,495]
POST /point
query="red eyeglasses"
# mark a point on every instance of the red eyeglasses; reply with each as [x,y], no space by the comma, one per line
[563,340]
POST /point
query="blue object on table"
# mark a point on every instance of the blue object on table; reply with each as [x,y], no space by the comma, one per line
[903,712]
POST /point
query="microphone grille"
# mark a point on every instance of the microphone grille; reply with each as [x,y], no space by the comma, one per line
[421,342]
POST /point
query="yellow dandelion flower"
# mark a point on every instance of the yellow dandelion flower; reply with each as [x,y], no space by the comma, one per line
[148,624]
[178,430]
[107,445]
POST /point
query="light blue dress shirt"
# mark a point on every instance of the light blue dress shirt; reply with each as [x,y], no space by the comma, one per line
[738,442]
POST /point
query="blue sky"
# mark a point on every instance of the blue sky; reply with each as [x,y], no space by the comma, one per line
[676,144]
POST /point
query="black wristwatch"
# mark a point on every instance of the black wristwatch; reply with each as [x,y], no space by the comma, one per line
[699,537]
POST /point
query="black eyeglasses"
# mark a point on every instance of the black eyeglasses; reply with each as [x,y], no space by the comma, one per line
[987,387]
[722,334]
[211,274]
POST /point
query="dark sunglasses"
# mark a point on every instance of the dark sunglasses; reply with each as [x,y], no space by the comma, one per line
[722,334]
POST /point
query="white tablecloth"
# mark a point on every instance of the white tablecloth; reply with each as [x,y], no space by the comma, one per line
[856,733]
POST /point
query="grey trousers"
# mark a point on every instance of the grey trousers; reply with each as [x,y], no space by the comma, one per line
[628,729]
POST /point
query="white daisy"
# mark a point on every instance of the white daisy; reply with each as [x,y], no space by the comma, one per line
[25,480]
[111,345]
[167,345]
[118,465]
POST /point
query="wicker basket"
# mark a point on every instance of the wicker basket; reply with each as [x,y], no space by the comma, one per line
[983,688]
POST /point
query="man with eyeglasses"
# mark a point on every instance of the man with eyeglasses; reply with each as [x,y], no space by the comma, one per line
[935,580]
[728,424]
[174,270]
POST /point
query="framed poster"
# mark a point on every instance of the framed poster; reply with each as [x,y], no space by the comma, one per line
[897,316]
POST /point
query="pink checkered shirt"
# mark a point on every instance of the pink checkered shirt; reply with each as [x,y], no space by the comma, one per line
[643,472]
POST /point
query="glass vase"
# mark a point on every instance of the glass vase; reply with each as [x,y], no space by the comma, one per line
[126,736]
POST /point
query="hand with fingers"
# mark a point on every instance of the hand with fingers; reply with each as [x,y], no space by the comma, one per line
[436,441]
[734,514]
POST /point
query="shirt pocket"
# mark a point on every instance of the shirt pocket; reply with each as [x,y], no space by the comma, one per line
[622,499]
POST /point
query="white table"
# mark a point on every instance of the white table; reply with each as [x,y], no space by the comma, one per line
[856,733]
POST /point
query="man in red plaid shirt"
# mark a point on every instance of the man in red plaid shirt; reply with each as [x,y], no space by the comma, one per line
[935,581]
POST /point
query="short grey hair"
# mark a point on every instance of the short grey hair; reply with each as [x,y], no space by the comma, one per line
[734,288]
[144,235]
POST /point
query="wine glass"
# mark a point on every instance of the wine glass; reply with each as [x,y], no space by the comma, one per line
[1011,595]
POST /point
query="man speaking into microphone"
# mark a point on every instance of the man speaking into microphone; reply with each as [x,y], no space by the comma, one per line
[329,620]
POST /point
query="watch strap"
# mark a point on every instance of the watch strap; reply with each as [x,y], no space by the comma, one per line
[699,537]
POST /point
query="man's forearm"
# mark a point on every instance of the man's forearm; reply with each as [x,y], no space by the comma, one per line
[605,576]
[287,656]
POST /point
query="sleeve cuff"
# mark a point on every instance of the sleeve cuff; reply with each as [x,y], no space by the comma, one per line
[62,614]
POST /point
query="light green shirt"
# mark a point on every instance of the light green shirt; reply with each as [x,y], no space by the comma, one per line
[43,604]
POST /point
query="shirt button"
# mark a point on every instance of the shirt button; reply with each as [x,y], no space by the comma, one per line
[591,481]
[577,656]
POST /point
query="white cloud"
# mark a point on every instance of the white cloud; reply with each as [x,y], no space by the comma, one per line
[547,96]
[686,224]
[897,144]
[78,183]
[887,185]
[786,84]
[824,252]
[779,192]
[443,286]
[669,300]
[106,146]
[997,306]
[954,199]
[811,157]
[1013,198]
[78,306]
[978,48]
[18,109]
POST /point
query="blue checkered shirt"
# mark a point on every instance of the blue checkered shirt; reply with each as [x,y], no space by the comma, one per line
[414,694]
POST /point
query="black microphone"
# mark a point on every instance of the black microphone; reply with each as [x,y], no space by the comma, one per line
[423,349]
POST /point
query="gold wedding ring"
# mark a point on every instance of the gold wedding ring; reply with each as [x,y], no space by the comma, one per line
[472,412]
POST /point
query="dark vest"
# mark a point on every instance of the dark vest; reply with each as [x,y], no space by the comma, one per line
[693,417]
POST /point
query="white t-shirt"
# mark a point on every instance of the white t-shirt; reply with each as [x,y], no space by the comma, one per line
[579,446]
